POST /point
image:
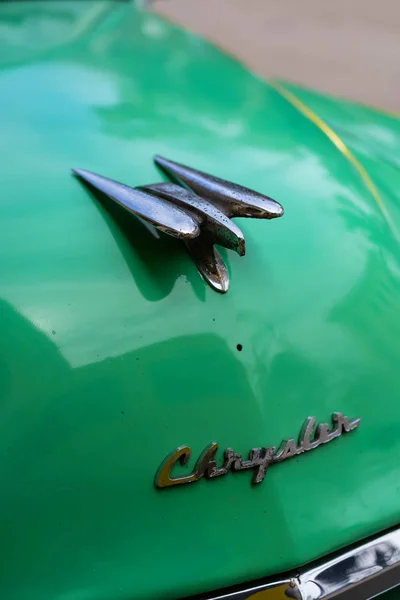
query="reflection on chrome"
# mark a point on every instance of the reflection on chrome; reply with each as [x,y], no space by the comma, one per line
[361,573]
[196,209]
[373,567]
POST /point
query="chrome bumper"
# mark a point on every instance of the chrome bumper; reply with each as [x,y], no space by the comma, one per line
[359,573]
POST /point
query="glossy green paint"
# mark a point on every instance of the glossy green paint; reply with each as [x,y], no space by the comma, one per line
[392,595]
[113,351]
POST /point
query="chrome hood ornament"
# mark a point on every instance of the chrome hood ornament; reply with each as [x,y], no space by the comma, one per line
[196,208]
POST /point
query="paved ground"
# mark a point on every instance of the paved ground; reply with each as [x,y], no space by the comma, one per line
[350,48]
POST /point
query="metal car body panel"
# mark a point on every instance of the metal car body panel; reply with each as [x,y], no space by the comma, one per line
[114,352]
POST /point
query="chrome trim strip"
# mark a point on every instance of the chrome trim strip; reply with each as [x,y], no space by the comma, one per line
[360,573]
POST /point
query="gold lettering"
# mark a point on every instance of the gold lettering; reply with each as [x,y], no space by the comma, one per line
[163,476]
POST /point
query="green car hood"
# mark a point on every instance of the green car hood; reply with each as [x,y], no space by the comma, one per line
[113,351]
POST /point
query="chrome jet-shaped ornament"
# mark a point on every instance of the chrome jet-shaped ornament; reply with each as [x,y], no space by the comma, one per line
[196,208]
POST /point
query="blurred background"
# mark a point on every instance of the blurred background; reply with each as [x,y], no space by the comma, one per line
[348,48]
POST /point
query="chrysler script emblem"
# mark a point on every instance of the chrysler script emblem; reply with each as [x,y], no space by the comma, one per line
[196,208]
[259,458]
